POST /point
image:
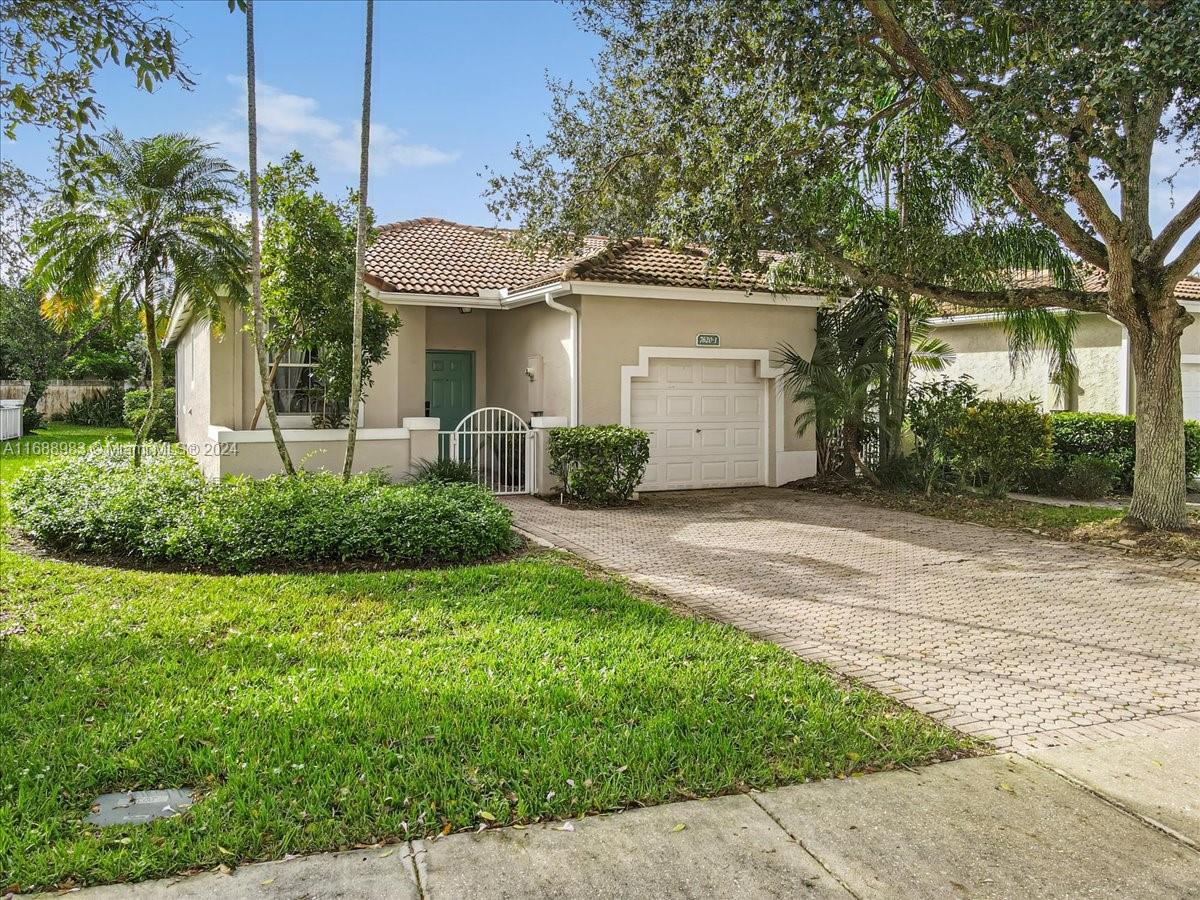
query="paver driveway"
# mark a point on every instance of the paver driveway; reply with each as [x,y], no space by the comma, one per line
[1024,641]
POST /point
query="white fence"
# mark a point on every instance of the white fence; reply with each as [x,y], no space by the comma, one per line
[498,446]
[10,419]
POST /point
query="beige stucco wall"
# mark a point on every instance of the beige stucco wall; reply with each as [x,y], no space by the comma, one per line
[981,350]
[614,329]
[1189,344]
[514,335]
[449,329]
[397,389]
[192,383]
[260,459]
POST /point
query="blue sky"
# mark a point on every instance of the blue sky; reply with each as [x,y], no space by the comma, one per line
[456,85]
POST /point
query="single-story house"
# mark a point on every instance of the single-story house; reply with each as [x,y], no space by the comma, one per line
[1105,382]
[634,333]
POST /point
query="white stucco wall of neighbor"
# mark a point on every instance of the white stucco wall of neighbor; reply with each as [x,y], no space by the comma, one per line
[981,351]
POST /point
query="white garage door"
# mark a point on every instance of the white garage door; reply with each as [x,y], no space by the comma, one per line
[1191,390]
[706,423]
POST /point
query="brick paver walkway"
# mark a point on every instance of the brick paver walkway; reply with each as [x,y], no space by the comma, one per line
[1021,640]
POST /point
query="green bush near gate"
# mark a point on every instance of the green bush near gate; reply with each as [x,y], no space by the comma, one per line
[165,512]
[599,465]
[998,443]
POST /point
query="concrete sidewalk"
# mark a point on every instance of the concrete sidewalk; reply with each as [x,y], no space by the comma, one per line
[1071,822]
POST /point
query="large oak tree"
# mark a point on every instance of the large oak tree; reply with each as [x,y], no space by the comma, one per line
[745,126]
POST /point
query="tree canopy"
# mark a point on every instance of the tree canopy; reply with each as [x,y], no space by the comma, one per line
[51,52]
[1029,128]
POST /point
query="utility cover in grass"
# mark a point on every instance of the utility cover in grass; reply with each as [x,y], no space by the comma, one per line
[139,807]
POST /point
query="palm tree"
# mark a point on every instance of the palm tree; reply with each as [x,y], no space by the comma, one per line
[360,247]
[150,227]
[260,343]
[836,386]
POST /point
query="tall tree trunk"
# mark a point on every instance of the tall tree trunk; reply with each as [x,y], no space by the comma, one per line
[260,343]
[849,451]
[897,387]
[1159,480]
[360,248]
[150,323]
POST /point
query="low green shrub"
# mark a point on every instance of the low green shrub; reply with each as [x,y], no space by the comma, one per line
[934,409]
[105,410]
[165,512]
[443,471]
[1113,438]
[31,419]
[163,426]
[1088,478]
[998,443]
[599,464]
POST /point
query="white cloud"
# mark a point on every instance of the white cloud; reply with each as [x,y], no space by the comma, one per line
[293,122]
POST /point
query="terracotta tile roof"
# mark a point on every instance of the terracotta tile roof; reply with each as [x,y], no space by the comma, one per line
[1093,281]
[434,256]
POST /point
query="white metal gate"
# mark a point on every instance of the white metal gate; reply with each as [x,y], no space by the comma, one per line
[497,444]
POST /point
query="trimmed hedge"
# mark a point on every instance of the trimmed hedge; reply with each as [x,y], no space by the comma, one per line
[1112,438]
[166,512]
[599,464]
[1000,442]
[163,426]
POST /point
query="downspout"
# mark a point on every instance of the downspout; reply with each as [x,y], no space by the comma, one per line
[574,362]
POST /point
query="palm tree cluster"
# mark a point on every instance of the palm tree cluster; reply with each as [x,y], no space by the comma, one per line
[152,228]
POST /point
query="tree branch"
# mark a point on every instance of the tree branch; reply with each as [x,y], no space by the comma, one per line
[1156,253]
[1047,209]
[1002,298]
[1187,260]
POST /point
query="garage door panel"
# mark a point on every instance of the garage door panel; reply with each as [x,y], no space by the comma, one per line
[680,373]
[680,405]
[678,438]
[747,438]
[745,373]
[646,405]
[747,405]
[705,421]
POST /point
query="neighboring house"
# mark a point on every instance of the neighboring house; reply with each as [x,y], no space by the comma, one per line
[634,333]
[1105,383]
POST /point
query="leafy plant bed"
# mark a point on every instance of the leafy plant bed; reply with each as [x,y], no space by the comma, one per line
[326,711]
[166,513]
[1086,524]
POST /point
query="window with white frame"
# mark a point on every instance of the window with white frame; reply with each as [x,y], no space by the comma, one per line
[296,390]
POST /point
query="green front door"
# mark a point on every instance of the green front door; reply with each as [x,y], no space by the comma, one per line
[449,385]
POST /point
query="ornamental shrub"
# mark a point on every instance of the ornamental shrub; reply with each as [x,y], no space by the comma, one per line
[443,471]
[934,409]
[1112,438]
[599,464]
[1088,477]
[104,410]
[163,426]
[165,512]
[998,443]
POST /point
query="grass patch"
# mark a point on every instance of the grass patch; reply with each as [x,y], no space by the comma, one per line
[317,712]
[1086,524]
[54,440]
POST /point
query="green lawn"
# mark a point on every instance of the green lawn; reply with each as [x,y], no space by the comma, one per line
[316,712]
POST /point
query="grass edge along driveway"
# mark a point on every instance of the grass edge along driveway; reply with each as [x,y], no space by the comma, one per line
[322,711]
